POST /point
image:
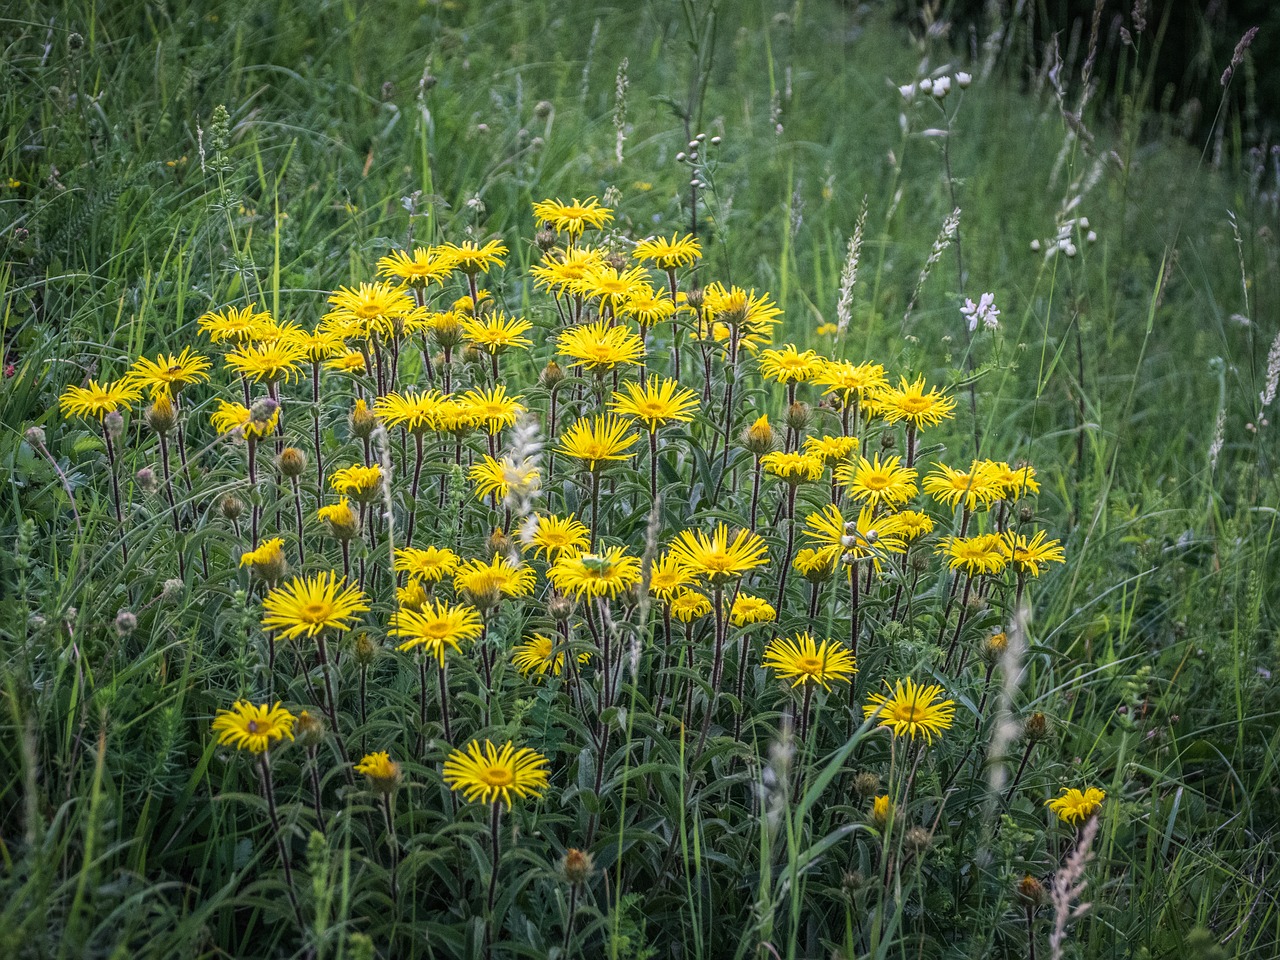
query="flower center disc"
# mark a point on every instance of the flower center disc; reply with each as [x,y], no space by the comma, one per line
[315,612]
[810,665]
[497,777]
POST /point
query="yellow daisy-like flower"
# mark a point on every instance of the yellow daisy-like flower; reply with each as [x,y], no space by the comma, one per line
[669,254]
[716,557]
[753,317]
[803,660]
[831,450]
[1019,481]
[307,605]
[538,656]
[647,307]
[1031,556]
[492,408]
[612,287]
[984,553]
[319,345]
[460,418]
[848,381]
[350,362]
[435,628]
[432,564]
[489,774]
[563,269]
[748,609]
[236,418]
[368,309]
[235,323]
[912,709]
[789,365]
[590,575]
[597,441]
[416,412]
[342,520]
[358,481]
[666,576]
[689,605]
[552,536]
[271,361]
[420,268]
[911,525]
[97,399]
[910,402]
[656,403]
[600,347]
[816,566]
[875,483]
[267,559]
[484,580]
[472,258]
[795,468]
[412,595]
[573,217]
[1074,806]
[167,374]
[979,485]
[495,332]
[848,541]
[502,478]
[253,728]
[383,772]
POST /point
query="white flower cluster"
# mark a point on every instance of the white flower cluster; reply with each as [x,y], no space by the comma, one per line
[1064,240]
[936,87]
[983,311]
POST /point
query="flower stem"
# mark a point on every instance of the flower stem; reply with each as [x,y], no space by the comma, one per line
[268,791]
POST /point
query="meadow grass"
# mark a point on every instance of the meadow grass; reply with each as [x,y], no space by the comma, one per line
[160,162]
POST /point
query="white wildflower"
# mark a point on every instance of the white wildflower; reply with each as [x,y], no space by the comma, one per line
[983,311]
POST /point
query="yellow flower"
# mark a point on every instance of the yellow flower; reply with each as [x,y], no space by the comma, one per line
[412,595]
[910,525]
[267,560]
[371,308]
[342,520]
[912,709]
[716,557]
[270,361]
[306,606]
[689,605]
[252,424]
[359,481]
[235,323]
[574,217]
[802,660]
[600,347]
[489,774]
[551,536]
[538,656]
[473,258]
[382,771]
[435,628]
[426,563]
[647,307]
[911,402]
[495,332]
[984,553]
[1074,806]
[850,381]
[657,403]
[97,400]
[748,609]
[875,483]
[416,412]
[666,576]
[669,254]
[167,374]
[753,317]
[759,436]
[591,575]
[562,269]
[612,287]
[1030,556]
[492,408]
[795,468]
[487,580]
[831,450]
[980,485]
[501,477]
[319,345]
[816,566]
[1017,481]
[867,537]
[789,365]
[352,361]
[420,268]
[597,440]
[253,728]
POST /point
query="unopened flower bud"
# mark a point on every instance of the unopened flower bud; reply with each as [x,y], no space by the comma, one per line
[383,772]
[799,416]
[113,423]
[291,462]
[126,623]
[263,410]
[560,608]
[917,840]
[694,297]
[1026,513]
[232,507]
[919,562]
[888,441]
[172,589]
[866,784]
[35,436]
[882,811]
[577,865]
[545,239]
[542,109]
[1031,891]
[758,438]
[146,479]
[1036,727]
[161,416]
[500,543]
[471,354]
[308,730]
[362,420]
[364,648]
[994,646]
[552,374]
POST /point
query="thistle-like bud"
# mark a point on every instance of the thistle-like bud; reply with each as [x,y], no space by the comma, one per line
[866,784]
[126,623]
[542,109]
[291,462]
[1026,513]
[113,424]
[1036,727]
[758,438]
[545,239]
[500,542]
[560,608]
[616,260]
[919,562]
[1031,891]
[162,416]
[471,354]
[309,730]
[173,589]
[383,772]
[232,507]
[362,420]
[799,416]
[447,331]
[694,297]
[146,480]
[365,649]
[851,882]
[577,865]
[263,409]
[918,840]
[888,441]
[552,374]
[35,436]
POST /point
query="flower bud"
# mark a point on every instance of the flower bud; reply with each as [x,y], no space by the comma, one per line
[545,239]
[362,420]
[146,479]
[694,297]
[918,840]
[500,543]
[263,409]
[471,354]
[1036,727]
[888,441]
[126,623]
[35,436]
[560,608]
[173,589]
[882,812]
[291,462]
[994,646]
[1031,891]
[799,416]
[447,331]
[542,109]
[113,424]
[552,374]
[383,772]
[758,438]
[365,649]
[161,415]
[232,507]
[309,730]
[577,865]
[866,784]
